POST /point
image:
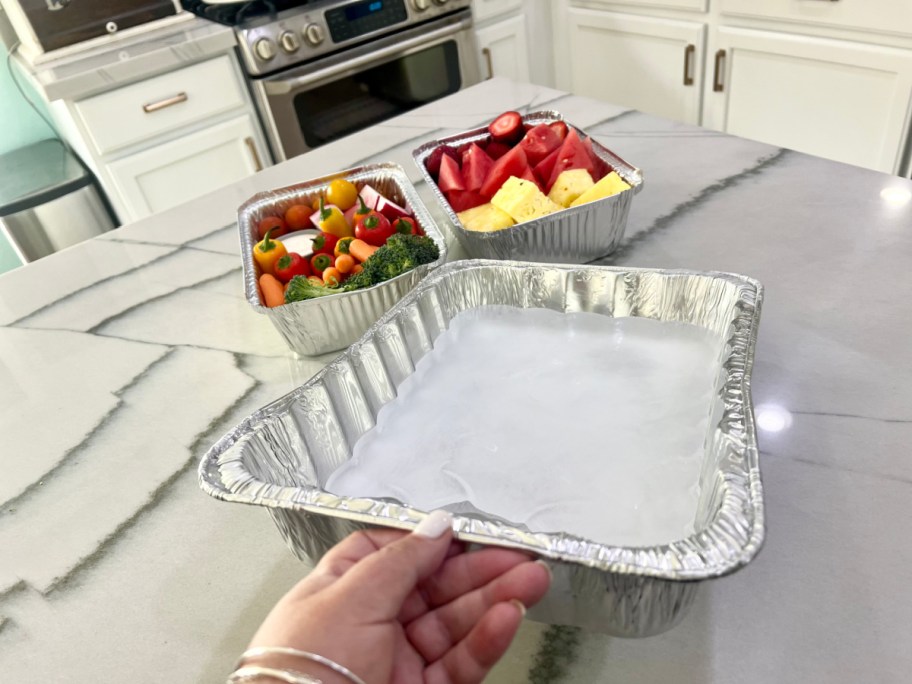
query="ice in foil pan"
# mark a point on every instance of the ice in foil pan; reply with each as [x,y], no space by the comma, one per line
[333,322]
[281,456]
[572,236]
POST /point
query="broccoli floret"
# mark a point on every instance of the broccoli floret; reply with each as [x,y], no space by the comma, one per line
[300,288]
[401,253]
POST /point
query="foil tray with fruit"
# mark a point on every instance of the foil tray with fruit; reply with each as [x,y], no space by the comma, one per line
[532,187]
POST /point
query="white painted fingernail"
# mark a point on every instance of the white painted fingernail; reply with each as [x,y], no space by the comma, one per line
[434,524]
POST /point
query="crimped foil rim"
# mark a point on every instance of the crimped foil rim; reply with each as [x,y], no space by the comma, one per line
[713,551]
[248,208]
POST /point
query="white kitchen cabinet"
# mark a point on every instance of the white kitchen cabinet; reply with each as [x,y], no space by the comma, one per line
[838,99]
[503,49]
[646,63]
[485,9]
[118,118]
[880,16]
[686,5]
[172,173]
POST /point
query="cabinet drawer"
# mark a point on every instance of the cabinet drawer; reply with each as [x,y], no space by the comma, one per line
[884,16]
[181,170]
[482,9]
[161,104]
[687,5]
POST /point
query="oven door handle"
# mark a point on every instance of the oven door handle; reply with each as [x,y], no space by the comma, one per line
[371,56]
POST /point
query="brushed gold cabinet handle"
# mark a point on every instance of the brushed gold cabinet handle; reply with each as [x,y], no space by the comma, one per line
[688,64]
[162,104]
[487,55]
[718,85]
[253,153]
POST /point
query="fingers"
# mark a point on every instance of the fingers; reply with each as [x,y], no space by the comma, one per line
[380,583]
[457,576]
[435,632]
[469,661]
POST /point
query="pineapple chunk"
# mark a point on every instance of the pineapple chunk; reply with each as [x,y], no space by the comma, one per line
[612,184]
[522,200]
[569,185]
[485,218]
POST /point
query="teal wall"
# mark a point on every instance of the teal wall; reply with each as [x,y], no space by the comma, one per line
[19,125]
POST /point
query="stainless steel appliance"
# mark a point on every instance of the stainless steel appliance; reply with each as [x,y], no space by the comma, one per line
[46,26]
[321,70]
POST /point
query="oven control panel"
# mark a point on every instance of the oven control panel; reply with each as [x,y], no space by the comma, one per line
[301,34]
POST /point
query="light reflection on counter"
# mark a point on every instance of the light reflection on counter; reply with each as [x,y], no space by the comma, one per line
[772,418]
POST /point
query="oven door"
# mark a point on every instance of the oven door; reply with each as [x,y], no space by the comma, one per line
[313,104]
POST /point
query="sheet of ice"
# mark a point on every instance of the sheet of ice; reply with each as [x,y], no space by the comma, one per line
[576,423]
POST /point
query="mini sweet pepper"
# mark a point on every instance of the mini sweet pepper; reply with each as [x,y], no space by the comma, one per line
[267,252]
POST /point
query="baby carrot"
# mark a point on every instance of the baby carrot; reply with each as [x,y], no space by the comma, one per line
[273,292]
[356,269]
[361,250]
[331,276]
[345,263]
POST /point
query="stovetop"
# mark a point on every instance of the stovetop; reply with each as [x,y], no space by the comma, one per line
[239,13]
[274,35]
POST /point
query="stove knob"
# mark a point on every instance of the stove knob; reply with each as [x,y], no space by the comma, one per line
[421,5]
[265,49]
[289,42]
[313,34]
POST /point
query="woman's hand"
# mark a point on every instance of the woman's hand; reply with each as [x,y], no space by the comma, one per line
[398,607]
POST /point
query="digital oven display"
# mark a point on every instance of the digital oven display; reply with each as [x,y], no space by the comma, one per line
[359,18]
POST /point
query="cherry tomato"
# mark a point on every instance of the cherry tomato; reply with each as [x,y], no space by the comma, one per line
[342,193]
[271,223]
[297,216]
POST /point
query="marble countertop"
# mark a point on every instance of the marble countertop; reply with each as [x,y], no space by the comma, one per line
[123,359]
[141,55]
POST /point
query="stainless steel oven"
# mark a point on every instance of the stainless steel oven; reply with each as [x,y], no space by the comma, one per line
[341,66]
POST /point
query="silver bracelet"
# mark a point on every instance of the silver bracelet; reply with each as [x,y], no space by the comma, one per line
[244,674]
[284,650]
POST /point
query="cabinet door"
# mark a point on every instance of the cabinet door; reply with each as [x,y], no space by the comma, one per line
[502,49]
[645,63]
[840,100]
[167,175]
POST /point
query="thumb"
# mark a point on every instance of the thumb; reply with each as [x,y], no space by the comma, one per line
[380,583]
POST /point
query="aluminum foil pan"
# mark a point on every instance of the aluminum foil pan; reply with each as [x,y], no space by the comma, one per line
[329,323]
[281,456]
[572,236]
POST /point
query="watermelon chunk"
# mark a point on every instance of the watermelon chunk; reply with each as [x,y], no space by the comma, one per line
[432,163]
[600,168]
[450,175]
[461,200]
[513,163]
[544,168]
[560,128]
[539,142]
[572,155]
[495,150]
[476,165]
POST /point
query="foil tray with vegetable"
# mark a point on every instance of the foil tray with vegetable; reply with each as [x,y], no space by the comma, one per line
[326,258]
